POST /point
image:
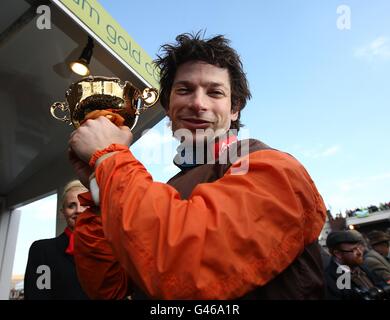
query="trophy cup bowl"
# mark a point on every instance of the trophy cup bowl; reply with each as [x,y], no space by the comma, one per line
[97,95]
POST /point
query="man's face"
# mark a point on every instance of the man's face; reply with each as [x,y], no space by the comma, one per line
[382,248]
[350,254]
[200,100]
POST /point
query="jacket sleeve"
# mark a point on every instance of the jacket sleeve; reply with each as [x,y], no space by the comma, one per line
[230,236]
[379,267]
[99,272]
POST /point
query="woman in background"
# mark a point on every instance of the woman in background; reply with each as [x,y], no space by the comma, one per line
[51,272]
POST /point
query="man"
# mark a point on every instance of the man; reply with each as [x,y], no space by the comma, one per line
[380,242]
[231,225]
[376,259]
[346,277]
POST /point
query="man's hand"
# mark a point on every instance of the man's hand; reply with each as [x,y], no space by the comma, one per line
[95,135]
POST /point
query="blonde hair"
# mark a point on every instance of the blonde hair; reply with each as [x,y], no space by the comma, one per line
[74,184]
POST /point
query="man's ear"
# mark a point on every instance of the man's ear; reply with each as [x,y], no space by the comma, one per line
[337,254]
[234,114]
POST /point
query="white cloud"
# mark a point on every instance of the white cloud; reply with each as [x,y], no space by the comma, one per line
[377,49]
[357,192]
[380,177]
[352,184]
[338,203]
[319,151]
[330,151]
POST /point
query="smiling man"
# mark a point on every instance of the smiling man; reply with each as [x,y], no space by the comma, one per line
[200,99]
[200,111]
[211,232]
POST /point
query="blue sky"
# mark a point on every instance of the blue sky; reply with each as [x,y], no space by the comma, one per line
[319,93]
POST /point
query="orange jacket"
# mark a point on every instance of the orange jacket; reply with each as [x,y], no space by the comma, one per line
[229,237]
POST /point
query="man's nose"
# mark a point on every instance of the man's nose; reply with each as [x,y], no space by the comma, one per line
[198,100]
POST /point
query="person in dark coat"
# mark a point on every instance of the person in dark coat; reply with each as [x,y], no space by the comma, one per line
[380,242]
[346,276]
[377,259]
[50,272]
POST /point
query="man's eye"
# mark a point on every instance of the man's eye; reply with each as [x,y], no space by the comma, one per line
[217,93]
[182,90]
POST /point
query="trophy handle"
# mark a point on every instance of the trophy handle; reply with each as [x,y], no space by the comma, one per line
[149,97]
[63,106]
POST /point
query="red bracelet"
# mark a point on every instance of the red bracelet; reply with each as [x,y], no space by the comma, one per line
[111,148]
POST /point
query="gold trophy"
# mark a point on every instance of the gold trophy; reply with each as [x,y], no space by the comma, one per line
[95,96]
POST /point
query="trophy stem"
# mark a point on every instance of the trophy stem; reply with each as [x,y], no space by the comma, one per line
[137,112]
[135,122]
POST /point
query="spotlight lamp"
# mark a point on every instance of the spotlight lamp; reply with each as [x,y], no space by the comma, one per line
[80,66]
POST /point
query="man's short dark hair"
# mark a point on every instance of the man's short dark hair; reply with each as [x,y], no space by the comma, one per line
[215,51]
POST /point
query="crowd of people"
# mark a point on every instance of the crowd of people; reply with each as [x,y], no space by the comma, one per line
[370,209]
[357,266]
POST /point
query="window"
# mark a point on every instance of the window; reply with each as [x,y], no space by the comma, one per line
[37,221]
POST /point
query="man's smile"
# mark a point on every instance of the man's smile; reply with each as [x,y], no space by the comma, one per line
[195,123]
